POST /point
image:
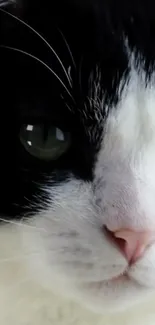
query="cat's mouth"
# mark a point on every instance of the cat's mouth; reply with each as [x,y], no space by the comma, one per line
[120,277]
[124,277]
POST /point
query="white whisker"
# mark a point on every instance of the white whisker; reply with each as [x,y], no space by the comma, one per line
[69,108]
[68,47]
[43,39]
[21,224]
[4,3]
[40,61]
[69,73]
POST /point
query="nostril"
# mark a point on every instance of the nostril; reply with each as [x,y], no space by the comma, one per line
[119,242]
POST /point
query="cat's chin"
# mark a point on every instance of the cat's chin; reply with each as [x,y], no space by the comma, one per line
[114,295]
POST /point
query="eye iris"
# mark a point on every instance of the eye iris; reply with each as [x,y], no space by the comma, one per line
[42,142]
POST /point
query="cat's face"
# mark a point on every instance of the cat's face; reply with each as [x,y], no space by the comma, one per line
[78,145]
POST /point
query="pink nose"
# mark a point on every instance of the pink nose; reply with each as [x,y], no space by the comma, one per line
[133,244]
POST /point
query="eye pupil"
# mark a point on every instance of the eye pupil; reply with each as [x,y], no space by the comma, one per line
[44,142]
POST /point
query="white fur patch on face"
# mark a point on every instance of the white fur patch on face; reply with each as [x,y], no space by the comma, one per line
[126,161]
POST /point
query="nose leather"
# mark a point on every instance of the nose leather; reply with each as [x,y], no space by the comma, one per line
[133,243]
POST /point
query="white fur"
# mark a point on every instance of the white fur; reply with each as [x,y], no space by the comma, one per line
[25,301]
[56,268]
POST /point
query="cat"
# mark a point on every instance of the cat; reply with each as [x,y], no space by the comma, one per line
[77,231]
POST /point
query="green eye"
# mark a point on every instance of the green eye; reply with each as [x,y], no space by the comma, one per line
[42,142]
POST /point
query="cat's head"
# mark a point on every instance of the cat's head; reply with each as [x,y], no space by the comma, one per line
[78,145]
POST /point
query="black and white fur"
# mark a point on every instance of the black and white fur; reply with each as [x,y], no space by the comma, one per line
[86,67]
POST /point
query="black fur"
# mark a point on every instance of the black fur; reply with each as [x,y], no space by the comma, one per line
[95,31]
